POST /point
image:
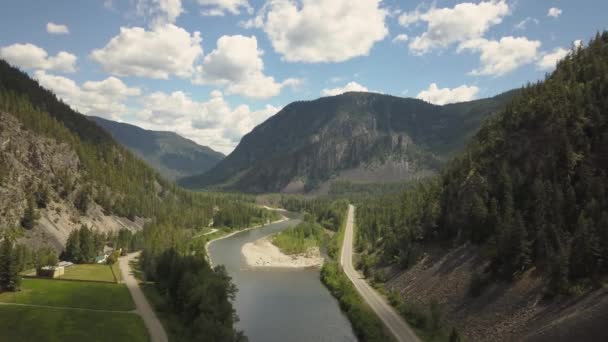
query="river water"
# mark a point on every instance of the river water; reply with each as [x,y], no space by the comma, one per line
[282,305]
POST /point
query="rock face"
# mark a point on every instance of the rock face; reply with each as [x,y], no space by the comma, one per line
[356,136]
[30,164]
[169,153]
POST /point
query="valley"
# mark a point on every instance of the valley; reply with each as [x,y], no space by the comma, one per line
[303,170]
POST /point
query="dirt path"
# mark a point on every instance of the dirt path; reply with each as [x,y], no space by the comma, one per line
[391,319]
[144,309]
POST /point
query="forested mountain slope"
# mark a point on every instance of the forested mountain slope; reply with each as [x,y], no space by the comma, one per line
[60,171]
[512,238]
[355,136]
[172,155]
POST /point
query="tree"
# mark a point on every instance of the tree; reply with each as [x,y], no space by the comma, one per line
[72,247]
[87,245]
[5,261]
[585,252]
[10,279]
[30,215]
[82,200]
[42,196]
[455,336]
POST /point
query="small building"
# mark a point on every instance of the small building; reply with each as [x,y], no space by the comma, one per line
[50,271]
[65,264]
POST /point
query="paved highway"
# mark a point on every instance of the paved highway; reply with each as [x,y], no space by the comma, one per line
[391,319]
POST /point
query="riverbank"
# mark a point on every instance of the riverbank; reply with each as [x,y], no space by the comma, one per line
[262,253]
[283,219]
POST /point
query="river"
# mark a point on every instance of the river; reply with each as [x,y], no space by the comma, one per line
[280,304]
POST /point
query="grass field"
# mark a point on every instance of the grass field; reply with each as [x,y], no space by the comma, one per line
[35,324]
[72,294]
[95,272]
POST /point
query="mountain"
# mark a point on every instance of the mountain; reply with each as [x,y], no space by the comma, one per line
[512,238]
[355,136]
[169,153]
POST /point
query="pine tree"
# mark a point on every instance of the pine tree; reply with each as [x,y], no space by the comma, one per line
[13,271]
[72,247]
[30,216]
[585,251]
[87,245]
[5,263]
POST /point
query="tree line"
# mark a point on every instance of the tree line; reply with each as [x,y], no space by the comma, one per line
[531,187]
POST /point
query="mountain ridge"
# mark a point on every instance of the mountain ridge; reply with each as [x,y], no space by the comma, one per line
[171,154]
[308,143]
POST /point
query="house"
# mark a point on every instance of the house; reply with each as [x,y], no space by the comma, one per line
[50,271]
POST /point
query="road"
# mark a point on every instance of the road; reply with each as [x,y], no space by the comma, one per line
[391,319]
[143,308]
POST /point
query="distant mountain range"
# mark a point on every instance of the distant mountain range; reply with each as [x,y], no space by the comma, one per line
[359,137]
[169,153]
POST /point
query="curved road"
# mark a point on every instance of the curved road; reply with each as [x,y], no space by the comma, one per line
[391,319]
[155,328]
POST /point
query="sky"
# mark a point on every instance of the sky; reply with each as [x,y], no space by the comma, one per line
[211,70]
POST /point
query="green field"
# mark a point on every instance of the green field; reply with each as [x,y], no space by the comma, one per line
[24,324]
[72,294]
[94,272]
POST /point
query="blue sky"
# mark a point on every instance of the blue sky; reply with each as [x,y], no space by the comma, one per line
[213,69]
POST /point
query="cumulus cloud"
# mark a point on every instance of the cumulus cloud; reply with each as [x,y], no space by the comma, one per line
[549,60]
[441,96]
[554,12]
[350,86]
[446,26]
[501,57]
[160,12]
[30,56]
[400,38]
[313,31]
[213,122]
[53,28]
[221,7]
[158,53]
[236,64]
[103,98]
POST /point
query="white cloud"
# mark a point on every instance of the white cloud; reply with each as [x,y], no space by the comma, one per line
[30,56]
[213,122]
[351,86]
[236,63]
[503,56]
[314,31]
[441,96]
[221,7]
[578,43]
[554,12]
[103,98]
[160,12]
[452,25]
[53,28]
[401,38]
[158,53]
[522,25]
[549,60]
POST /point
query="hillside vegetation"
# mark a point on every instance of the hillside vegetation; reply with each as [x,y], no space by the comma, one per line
[530,191]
